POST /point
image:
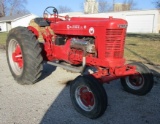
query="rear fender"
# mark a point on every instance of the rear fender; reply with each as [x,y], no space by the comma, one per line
[34,30]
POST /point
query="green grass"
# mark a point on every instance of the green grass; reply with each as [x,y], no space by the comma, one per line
[3,37]
[143,48]
[139,47]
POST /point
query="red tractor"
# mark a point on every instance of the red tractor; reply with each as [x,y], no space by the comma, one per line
[93,47]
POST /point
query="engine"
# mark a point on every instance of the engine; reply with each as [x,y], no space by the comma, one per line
[81,47]
[85,44]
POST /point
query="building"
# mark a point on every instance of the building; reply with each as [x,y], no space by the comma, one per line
[9,22]
[90,7]
[139,21]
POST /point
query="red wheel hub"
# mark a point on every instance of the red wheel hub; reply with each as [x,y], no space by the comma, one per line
[17,56]
[136,80]
[87,97]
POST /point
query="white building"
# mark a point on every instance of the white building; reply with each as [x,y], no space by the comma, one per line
[139,21]
[9,22]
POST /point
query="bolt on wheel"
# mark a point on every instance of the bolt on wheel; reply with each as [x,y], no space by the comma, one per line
[85,98]
[135,82]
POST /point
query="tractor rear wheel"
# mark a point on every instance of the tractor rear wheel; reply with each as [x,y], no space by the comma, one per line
[140,83]
[24,55]
[88,96]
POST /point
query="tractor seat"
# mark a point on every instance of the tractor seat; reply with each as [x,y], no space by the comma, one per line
[41,22]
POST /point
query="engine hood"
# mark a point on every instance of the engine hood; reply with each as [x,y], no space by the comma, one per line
[87,26]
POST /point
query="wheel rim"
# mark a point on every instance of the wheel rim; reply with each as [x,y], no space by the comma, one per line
[85,98]
[135,82]
[15,57]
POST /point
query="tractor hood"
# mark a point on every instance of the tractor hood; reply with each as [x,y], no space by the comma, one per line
[86,26]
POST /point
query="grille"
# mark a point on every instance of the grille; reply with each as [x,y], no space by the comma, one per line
[114,43]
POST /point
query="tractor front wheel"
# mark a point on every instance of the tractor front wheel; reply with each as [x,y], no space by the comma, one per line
[24,55]
[88,96]
[140,83]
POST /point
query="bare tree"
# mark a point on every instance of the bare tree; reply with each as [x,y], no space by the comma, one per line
[12,7]
[63,9]
[129,4]
[104,6]
[157,4]
[3,7]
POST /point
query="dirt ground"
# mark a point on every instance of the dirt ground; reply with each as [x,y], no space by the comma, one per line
[48,101]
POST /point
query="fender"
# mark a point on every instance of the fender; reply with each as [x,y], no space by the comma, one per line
[34,30]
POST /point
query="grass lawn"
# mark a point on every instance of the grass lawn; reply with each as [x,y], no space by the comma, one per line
[139,47]
[143,48]
[3,37]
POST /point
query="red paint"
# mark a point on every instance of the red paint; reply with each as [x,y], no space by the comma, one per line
[109,39]
[17,56]
[86,97]
[34,31]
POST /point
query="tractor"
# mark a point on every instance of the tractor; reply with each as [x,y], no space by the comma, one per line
[92,47]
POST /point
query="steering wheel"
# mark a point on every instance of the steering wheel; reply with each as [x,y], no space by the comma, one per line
[50,14]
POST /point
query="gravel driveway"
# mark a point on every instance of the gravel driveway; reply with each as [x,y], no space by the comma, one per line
[48,101]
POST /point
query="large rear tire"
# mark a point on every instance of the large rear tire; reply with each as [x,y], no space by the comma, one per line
[138,84]
[88,96]
[24,55]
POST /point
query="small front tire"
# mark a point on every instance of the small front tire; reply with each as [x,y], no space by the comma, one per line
[88,96]
[140,83]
